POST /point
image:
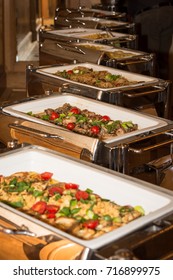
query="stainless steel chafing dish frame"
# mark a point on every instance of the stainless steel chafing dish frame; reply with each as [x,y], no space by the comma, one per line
[140,244]
[41,84]
[68,18]
[127,40]
[54,51]
[117,155]
[83,11]
[75,22]
[128,156]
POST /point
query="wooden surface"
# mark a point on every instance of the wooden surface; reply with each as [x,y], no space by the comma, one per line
[53,144]
[12,246]
[71,143]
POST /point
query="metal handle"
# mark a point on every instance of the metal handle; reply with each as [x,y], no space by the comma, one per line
[123,254]
[86,155]
[86,254]
[35,131]
[133,95]
[136,60]
[70,49]
[151,147]
[17,231]
[66,87]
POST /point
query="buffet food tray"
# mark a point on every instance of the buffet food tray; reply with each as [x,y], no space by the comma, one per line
[103,22]
[102,12]
[145,123]
[110,50]
[110,185]
[139,80]
[88,34]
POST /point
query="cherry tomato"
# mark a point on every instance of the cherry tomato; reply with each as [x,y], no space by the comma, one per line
[95,129]
[54,116]
[105,118]
[54,190]
[51,215]
[71,186]
[81,195]
[75,110]
[91,224]
[52,209]
[39,207]
[70,126]
[46,175]
[70,71]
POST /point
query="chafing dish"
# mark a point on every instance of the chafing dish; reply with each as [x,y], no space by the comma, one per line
[51,52]
[144,154]
[77,18]
[87,35]
[153,242]
[84,12]
[152,93]
[94,22]
[158,204]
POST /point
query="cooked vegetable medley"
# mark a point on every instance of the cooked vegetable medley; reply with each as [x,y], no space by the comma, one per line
[100,79]
[79,212]
[86,122]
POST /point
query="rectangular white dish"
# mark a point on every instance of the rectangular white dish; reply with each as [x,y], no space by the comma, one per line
[145,122]
[138,78]
[102,12]
[104,22]
[109,184]
[83,32]
[111,49]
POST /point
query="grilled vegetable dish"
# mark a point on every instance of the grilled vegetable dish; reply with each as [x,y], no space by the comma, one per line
[100,79]
[113,54]
[86,122]
[81,213]
[97,36]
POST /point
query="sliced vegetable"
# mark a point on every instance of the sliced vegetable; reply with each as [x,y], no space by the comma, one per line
[75,110]
[50,208]
[140,209]
[37,193]
[107,218]
[17,204]
[39,207]
[70,126]
[65,211]
[54,116]
[51,215]
[55,190]
[46,175]
[92,224]
[105,118]
[95,129]
[71,186]
[81,195]
[73,202]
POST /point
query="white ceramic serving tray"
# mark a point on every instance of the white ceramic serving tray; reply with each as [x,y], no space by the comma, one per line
[145,122]
[102,12]
[138,78]
[108,48]
[108,184]
[83,32]
[102,21]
